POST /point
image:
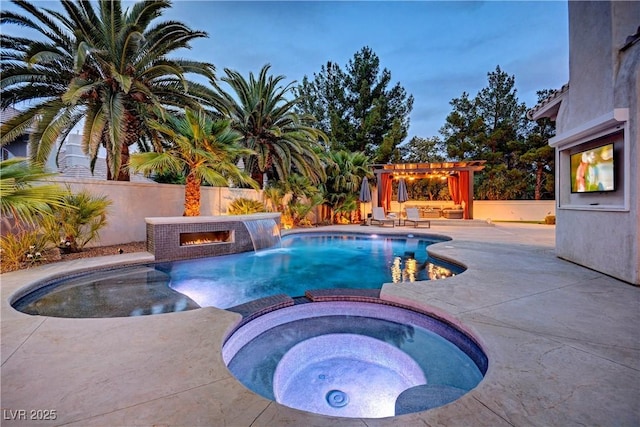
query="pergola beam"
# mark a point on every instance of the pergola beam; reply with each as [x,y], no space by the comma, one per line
[474,165]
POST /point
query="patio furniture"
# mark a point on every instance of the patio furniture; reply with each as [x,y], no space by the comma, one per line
[453,213]
[430,212]
[413,216]
[380,218]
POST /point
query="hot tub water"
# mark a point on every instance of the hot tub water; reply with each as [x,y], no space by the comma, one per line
[354,359]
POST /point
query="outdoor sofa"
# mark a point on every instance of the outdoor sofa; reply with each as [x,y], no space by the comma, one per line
[455,212]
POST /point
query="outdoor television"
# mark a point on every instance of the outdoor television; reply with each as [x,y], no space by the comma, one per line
[593,170]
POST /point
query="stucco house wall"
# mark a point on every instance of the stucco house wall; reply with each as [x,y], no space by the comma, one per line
[599,230]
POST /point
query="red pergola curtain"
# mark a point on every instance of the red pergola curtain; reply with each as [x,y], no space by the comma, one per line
[384,195]
[454,188]
[459,190]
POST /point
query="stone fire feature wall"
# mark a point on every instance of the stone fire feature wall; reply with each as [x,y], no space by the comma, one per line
[163,235]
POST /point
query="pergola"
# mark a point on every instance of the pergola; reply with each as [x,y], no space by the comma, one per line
[459,176]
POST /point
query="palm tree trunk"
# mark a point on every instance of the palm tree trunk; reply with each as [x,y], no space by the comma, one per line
[258,177]
[123,173]
[192,196]
[132,131]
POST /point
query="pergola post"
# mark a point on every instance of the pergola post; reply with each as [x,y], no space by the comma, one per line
[469,208]
[375,199]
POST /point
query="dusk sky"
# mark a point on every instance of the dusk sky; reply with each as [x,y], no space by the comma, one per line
[435,50]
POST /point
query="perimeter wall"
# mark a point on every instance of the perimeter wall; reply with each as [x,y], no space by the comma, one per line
[132,202]
[494,210]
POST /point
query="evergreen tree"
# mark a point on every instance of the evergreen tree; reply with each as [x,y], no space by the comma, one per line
[540,156]
[356,108]
[493,127]
[324,99]
[463,130]
[422,150]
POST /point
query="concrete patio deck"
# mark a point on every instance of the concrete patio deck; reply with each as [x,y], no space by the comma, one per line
[563,344]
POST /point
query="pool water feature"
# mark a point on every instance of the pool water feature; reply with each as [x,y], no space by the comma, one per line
[264,233]
[348,359]
[304,261]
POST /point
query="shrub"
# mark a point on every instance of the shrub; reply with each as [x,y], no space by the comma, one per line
[21,249]
[299,210]
[170,178]
[244,206]
[73,226]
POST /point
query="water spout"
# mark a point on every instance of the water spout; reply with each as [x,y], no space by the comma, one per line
[264,233]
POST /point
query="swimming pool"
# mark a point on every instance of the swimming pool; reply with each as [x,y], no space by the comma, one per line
[303,261]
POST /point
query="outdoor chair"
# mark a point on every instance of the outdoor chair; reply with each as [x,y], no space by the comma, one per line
[380,218]
[413,215]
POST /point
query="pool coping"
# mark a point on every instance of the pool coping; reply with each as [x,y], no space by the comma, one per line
[578,363]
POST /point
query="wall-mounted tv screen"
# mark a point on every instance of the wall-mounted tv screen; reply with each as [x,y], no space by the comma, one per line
[593,170]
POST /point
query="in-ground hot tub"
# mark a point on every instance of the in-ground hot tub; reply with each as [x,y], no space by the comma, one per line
[355,359]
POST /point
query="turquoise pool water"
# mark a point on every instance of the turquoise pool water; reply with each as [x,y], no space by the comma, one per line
[304,261]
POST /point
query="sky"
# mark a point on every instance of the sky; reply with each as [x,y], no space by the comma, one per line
[436,50]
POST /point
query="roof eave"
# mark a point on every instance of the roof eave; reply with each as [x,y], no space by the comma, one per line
[549,107]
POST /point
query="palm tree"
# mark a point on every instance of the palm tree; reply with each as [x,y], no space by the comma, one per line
[24,194]
[282,141]
[345,171]
[203,149]
[107,66]
[295,198]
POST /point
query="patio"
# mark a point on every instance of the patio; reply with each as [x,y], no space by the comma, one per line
[562,342]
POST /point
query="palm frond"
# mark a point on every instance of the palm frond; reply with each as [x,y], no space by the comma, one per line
[87,46]
[24,192]
[94,126]
[148,163]
[16,126]
[114,112]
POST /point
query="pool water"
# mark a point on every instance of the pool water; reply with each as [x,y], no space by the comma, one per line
[303,262]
